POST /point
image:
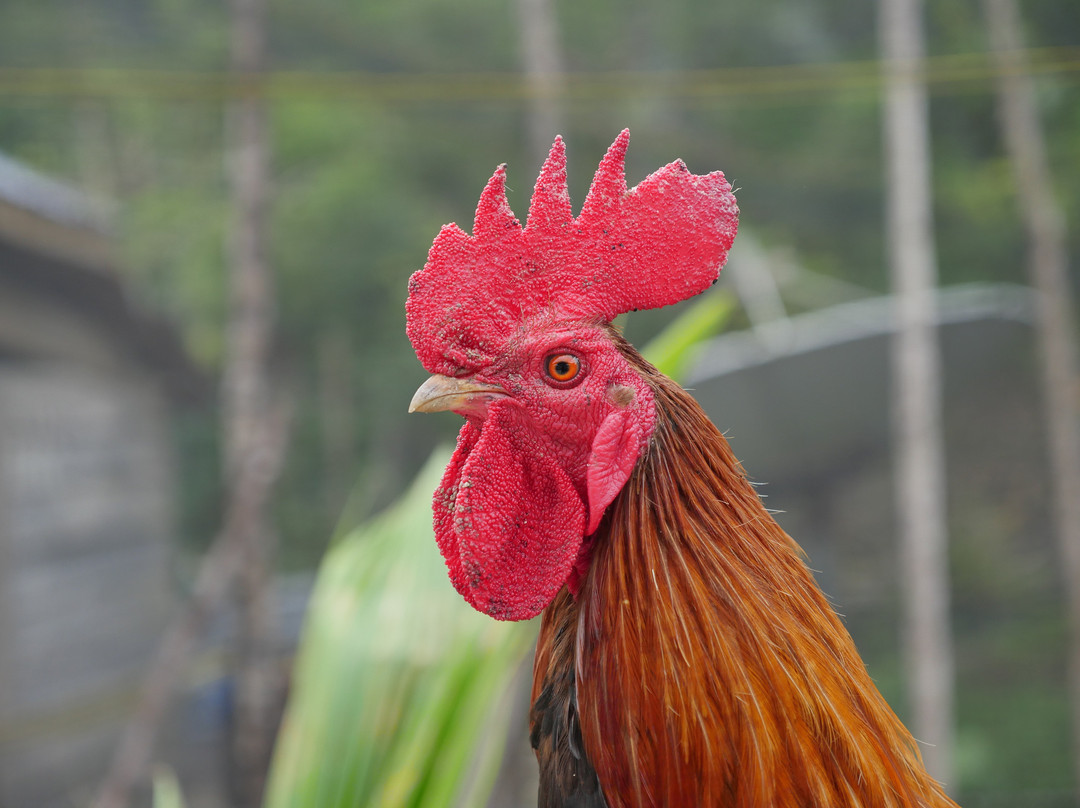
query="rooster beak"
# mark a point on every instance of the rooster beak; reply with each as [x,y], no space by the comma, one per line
[463,396]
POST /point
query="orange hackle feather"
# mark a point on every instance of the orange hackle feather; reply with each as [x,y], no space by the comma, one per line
[710,669]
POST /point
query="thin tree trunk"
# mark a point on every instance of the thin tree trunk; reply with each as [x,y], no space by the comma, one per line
[247,401]
[919,448]
[336,409]
[1048,268]
[543,71]
[255,439]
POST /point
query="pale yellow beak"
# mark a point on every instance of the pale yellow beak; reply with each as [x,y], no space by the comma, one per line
[463,396]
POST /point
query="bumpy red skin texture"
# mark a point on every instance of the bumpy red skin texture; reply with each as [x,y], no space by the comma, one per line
[661,242]
[532,474]
[531,478]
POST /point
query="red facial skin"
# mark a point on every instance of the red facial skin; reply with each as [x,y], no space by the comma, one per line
[534,470]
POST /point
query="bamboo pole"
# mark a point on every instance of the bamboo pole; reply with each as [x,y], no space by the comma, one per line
[542,61]
[1047,265]
[247,403]
[917,428]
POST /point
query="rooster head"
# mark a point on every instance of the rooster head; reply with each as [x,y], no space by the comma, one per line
[515,325]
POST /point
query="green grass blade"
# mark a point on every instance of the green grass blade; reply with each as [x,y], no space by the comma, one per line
[167,792]
[399,685]
[674,349]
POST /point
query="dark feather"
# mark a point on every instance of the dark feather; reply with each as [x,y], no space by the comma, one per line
[567,778]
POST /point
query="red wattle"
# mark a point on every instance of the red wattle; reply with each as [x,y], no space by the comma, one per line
[508,520]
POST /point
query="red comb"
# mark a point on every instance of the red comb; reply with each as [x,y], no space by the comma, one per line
[661,242]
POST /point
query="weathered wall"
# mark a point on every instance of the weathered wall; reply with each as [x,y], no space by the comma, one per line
[85,520]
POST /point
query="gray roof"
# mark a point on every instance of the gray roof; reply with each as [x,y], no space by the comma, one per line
[810,395]
[56,248]
[857,320]
[49,198]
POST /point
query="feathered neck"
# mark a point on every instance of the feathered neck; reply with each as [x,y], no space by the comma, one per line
[710,668]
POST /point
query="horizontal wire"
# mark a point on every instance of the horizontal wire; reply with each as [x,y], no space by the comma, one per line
[735,82]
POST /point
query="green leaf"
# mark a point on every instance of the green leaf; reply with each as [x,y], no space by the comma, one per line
[400,688]
[167,789]
[674,349]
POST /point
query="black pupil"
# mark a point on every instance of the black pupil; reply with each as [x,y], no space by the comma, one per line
[562,368]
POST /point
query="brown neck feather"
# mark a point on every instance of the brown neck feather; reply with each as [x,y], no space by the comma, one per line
[710,668]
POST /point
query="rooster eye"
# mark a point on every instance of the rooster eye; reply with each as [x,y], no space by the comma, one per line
[562,367]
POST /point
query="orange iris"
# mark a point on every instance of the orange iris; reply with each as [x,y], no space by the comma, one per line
[562,367]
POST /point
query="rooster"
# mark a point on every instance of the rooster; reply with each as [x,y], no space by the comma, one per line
[686,656]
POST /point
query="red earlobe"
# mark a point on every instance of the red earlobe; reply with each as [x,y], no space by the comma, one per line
[614,454]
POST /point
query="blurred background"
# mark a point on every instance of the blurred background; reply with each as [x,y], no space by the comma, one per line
[208,216]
